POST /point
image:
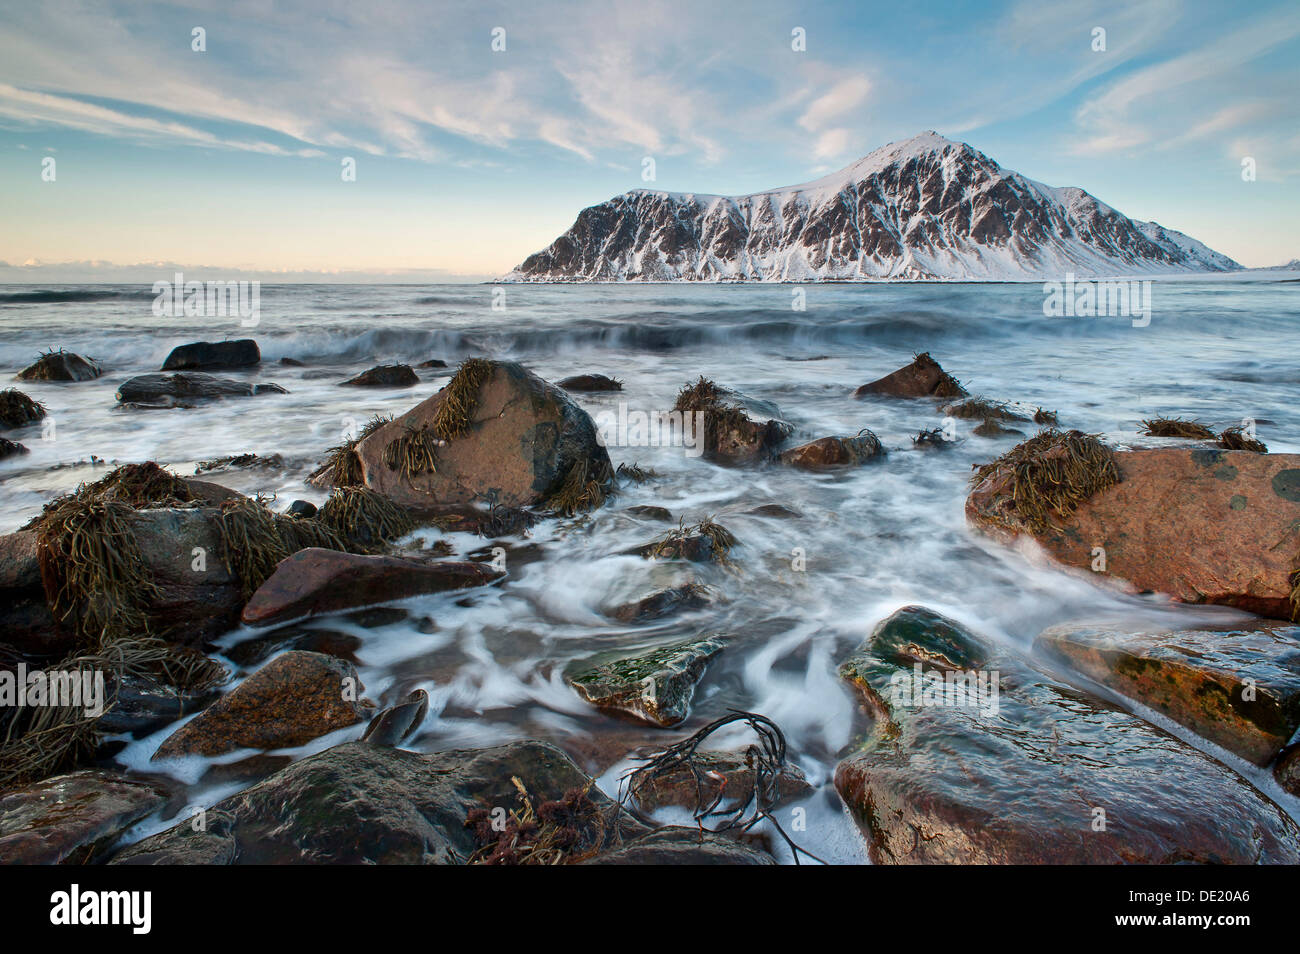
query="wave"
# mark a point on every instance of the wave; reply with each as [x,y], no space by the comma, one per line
[45,296]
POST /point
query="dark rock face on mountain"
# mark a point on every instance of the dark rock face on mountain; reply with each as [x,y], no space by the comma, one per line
[920,209]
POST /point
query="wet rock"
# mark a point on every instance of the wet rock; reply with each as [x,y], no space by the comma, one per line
[1237,687]
[240,462]
[385,376]
[776,511]
[1201,525]
[314,581]
[18,410]
[522,439]
[922,378]
[725,775]
[831,453]
[291,700]
[60,366]
[10,448]
[655,687]
[432,363]
[291,363]
[302,508]
[663,603]
[675,845]
[730,434]
[214,356]
[1027,775]
[368,804]
[991,428]
[591,382]
[1287,770]
[72,819]
[331,642]
[652,513]
[186,387]
[143,705]
[395,724]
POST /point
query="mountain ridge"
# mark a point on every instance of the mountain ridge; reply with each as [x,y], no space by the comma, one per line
[925,208]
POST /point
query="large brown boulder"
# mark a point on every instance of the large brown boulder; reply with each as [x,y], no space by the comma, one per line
[293,699]
[1030,770]
[314,581]
[1201,525]
[922,378]
[834,453]
[496,432]
[72,819]
[1237,687]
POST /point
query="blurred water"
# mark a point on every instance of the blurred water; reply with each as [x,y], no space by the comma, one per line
[874,538]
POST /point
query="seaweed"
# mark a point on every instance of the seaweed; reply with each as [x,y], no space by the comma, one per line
[635,473]
[1051,474]
[750,808]
[1176,427]
[1237,438]
[947,386]
[721,541]
[586,486]
[342,466]
[364,518]
[460,399]
[412,453]
[977,408]
[1042,416]
[561,831]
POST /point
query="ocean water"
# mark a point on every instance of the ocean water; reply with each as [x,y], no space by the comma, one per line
[871,540]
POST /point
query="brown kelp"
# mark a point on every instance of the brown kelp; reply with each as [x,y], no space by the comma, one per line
[18,410]
[1176,427]
[1238,437]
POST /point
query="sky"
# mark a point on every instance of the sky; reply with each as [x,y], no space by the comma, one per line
[478,130]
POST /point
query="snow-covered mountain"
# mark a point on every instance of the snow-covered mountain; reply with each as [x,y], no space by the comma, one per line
[927,208]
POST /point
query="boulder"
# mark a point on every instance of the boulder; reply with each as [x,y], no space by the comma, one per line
[214,356]
[18,410]
[302,508]
[60,366]
[1237,687]
[991,428]
[721,417]
[385,376]
[663,603]
[726,777]
[432,364]
[656,687]
[832,453]
[676,845]
[1287,770]
[1030,770]
[73,818]
[293,699]
[591,382]
[519,440]
[314,581]
[922,378]
[1201,525]
[186,387]
[331,642]
[358,803]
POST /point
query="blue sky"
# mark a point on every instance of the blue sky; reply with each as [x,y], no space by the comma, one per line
[468,159]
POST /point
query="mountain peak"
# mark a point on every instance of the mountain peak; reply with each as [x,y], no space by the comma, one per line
[927,207]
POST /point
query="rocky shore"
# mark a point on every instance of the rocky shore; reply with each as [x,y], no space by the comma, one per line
[969,749]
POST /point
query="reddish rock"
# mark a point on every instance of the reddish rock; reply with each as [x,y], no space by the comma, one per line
[922,378]
[291,700]
[1201,525]
[316,581]
[1237,687]
[386,376]
[71,819]
[832,453]
[523,438]
[725,775]
[1287,770]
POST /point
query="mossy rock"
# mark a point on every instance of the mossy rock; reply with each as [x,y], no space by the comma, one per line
[655,686]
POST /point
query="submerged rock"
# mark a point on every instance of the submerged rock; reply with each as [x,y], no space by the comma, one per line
[676,845]
[291,700]
[922,378]
[174,390]
[655,687]
[725,775]
[10,448]
[832,453]
[214,355]
[991,428]
[1201,525]
[651,512]
[142,705]
[369,804]
[1239,688]
[591,382]
[496,432]
[385,376]
[315,580]
[73,818]
[60,366]
[663,603]
[1032,771]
